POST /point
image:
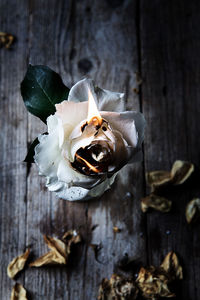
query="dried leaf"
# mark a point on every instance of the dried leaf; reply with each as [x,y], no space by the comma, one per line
[153,283]
[60,250]
[117,288]
[18,292]
[181,171]
[6,39]
[171,265]
[159,203]
[17,264]
[192,208]
[156,179]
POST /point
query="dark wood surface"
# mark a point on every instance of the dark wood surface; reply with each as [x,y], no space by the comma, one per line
[109,41]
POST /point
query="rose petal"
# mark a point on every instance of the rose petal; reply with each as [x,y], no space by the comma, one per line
[110,101]
[79,92]
[121,153]
[55,126]
[77,193]
[18,292]
[87,137]
[72,113]
[105,100]
[130,123]
[71,177]
[48,153]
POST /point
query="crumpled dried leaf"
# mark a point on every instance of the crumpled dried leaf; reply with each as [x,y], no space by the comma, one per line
[17,264]
[171,265]
[192,208]
[180,172]
[153,283]
[159,203]
[117,288]
[18,292]
[60,250]
[6,39]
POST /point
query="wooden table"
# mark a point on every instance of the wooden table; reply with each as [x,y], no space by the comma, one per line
[112,42]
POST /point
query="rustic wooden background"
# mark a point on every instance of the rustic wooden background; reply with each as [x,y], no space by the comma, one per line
[110,41]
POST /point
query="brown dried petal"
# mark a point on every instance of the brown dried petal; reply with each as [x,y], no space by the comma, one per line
[159,203]
[57,246]
[60,250]
[71,237]
[6,39]
[18,292]
[171,265]
[181,171]
[156,179]
[192,208]
[153,283]
[116,229]
[117,288]
[50,258]
[17,264]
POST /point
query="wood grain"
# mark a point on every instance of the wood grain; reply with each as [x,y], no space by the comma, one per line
[170,69]
[109,41]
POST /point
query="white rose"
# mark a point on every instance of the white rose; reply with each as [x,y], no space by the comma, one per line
[80,158]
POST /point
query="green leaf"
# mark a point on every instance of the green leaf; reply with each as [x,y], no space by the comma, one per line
[41,89]
[31,151]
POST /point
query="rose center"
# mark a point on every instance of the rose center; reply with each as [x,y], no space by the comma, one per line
[93,159]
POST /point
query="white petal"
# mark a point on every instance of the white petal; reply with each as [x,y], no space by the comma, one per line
[72,113]
[110,101]
[48,153]
[105,100]
[129,123]
[79,92]
[78,193]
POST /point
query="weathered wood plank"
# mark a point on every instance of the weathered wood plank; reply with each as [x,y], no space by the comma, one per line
[85,43]
[13,140]
[170,69]
[43,283]
[101,40]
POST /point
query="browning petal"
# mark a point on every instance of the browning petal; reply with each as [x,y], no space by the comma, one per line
[71,237]
[60,250]
[50,258]
[153,283]
[57,246]
[156,179]
[117,288]
[18,292]
[159,203]
[192,208]
[6,39]
[116,229]
[181,171]
[171,265]
[17,264]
